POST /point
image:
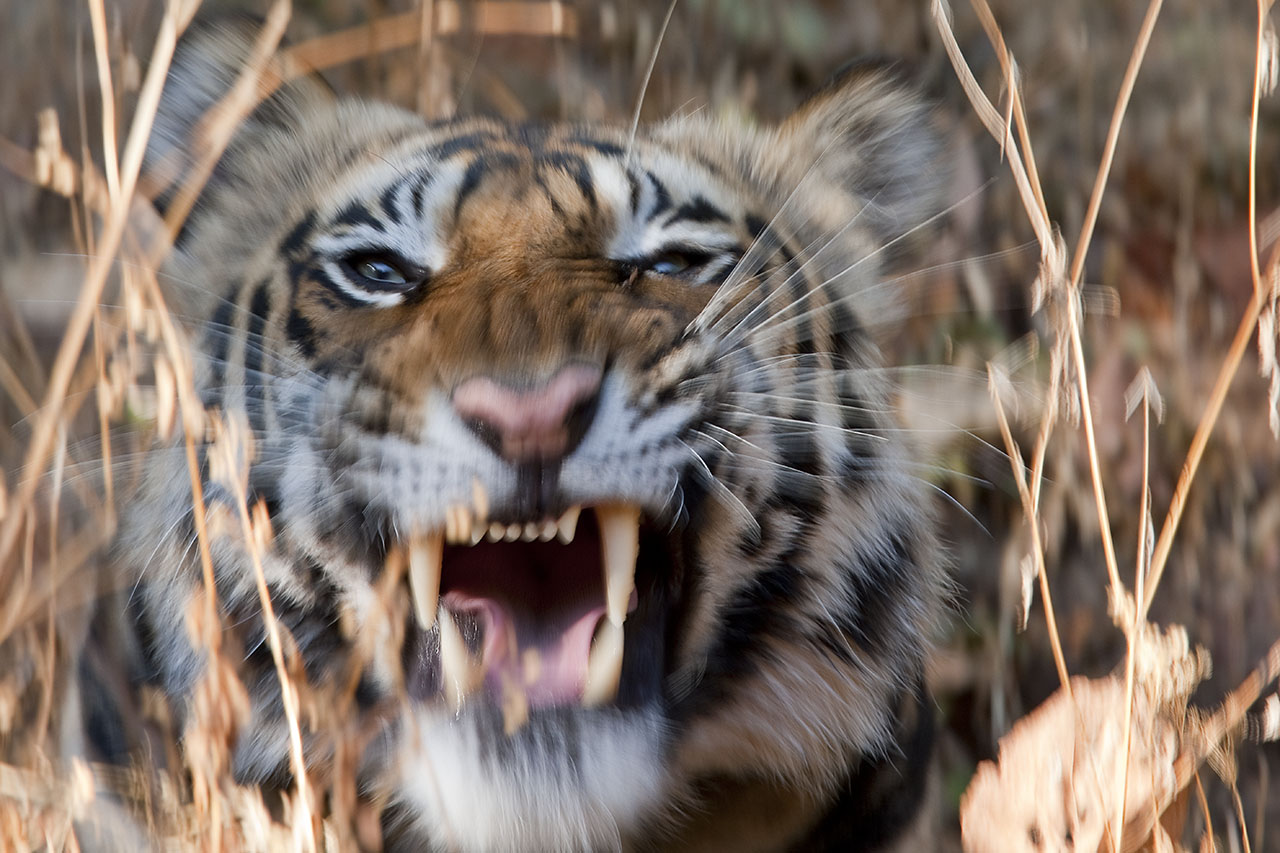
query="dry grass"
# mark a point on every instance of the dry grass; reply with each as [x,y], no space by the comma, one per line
[1150,139]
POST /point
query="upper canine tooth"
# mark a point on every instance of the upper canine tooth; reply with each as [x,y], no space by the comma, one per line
[426,550]
[619,546]
[567,525]
[604,665]
[477,532]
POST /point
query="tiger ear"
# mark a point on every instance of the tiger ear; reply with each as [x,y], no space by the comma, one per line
[206,65]
[868,133]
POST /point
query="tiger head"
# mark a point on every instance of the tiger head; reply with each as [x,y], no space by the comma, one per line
[611,402]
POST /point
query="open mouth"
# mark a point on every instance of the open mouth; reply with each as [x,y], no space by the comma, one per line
[526,614]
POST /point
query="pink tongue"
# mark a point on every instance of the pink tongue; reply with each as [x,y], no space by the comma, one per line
[546,659]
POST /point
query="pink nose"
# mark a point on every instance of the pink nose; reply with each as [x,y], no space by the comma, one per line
[529,423]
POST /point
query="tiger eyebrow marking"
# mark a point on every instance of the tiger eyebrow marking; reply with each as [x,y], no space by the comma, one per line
[698,210]
[387,201]
[661,198]
[355,214]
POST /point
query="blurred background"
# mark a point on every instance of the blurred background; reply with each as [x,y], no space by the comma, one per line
[1167,274]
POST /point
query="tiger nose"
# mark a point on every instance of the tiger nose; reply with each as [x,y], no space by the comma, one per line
[543,422]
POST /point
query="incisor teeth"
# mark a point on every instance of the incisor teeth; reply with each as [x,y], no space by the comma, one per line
[619,546]
[604,666]
[513,532]
[497,531]
[548,531]
[567,525]
[425,554]
[530,533]
[460,674]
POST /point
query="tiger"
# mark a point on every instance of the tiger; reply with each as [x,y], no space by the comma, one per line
[610,403]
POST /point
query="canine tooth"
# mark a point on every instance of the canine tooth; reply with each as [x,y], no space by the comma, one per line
[425,554]
[531,666]
[479,499]
[619,545]
[477,532]
[604,666]
[458,671]
[497,531]
[513,532]
[531,531]
[548,531]
[515,706]
[567,525]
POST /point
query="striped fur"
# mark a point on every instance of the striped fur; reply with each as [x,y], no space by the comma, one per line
[726,280]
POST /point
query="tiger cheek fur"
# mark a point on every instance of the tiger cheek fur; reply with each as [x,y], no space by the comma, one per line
[454,342]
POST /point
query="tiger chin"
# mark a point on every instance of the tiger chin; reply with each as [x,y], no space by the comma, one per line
[611,405]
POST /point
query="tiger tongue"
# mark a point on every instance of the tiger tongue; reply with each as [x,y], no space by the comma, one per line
[545,655]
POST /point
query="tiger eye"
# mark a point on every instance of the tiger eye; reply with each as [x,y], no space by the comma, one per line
[671,263]
[381,272]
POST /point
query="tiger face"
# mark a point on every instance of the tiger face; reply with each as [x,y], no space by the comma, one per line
[612,405]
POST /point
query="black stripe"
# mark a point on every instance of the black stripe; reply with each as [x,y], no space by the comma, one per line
[419,193]
[296,240]
[698,210]
[387,201]
[662,198]
[576,167]
[634,183]
[608,149]
[882,797]
[470,180]
[255,390]
[756,225]
[752,616]
[460,144]
[300,331]
[877,580]
[357,214]
[217,339]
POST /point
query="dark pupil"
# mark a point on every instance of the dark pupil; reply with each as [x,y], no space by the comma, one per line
[376,270]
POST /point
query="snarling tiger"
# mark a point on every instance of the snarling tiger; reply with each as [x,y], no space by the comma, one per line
[609,404]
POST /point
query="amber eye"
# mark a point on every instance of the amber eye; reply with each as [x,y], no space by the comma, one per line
[383,271]
[676,262]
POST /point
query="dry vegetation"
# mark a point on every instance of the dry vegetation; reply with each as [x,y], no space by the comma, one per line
[1117,204]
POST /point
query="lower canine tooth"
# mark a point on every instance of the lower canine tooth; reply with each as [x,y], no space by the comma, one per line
[604,665]
[425,554]
[459,673]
